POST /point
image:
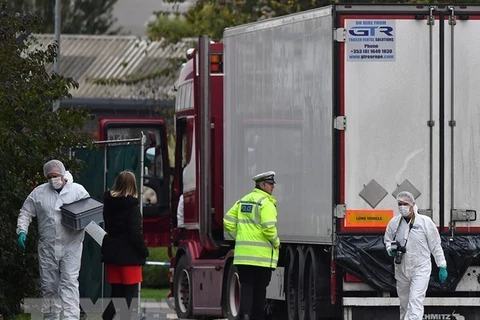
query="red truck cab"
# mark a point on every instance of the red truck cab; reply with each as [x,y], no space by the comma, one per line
[155,193]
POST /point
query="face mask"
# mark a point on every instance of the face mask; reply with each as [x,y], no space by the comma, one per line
[56,183]
[404,210]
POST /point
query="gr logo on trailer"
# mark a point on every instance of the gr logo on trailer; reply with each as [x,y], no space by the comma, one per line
[371,31]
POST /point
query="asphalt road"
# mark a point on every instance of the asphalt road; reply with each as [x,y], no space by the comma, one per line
[157,310]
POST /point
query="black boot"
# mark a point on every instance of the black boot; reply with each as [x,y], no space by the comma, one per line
[109,312]
[245,317]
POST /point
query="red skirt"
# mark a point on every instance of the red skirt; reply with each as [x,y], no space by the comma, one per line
[123,274]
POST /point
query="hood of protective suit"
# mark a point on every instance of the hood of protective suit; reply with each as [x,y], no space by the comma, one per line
[68,176]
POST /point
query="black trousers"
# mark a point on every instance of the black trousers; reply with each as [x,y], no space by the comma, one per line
[127,291]
[254,282]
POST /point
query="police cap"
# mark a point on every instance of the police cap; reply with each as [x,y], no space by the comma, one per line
[265,176]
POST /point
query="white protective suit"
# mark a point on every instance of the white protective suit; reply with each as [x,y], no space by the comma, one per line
[59,247]
[413,274]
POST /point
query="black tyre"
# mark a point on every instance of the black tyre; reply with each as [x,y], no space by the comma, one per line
[317,286]
[183,289]
[231,294]
[291,286]
[299,267]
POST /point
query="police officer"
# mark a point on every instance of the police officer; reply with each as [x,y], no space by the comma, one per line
[252,223]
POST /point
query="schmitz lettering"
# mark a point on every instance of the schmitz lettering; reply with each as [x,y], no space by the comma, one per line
[443,316]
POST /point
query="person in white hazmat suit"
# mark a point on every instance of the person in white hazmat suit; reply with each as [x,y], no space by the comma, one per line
[59,247]
[419,236]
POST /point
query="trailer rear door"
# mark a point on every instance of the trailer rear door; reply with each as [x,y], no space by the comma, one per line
[460,124]
[408,92]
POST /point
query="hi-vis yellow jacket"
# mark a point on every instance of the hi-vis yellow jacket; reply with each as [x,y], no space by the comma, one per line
[252,223]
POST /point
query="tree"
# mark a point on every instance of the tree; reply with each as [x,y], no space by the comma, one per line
[30,134]
[211,17]
[78,17]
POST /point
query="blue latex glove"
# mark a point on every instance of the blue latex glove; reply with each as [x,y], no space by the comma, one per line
[392,253]
[442,274]
[21,240]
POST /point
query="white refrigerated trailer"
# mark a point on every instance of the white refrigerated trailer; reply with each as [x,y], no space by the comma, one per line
[351,104]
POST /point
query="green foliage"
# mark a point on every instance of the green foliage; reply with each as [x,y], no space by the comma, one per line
[77,17]
[175,29]
[30,134]
[155,294]
[156,276]
[206,17]
[211,17]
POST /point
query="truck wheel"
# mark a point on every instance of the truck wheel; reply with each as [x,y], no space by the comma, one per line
[317,286]
[299,267]
[183,289]
[311,287]
[290,284]
[232,294]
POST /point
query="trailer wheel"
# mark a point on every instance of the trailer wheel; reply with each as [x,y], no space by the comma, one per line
[290,283]
[299,267]
[317,286]
[311,287]
[232,294]
[183,289]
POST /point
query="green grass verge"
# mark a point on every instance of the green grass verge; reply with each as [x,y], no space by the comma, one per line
[156,294]
[156,276]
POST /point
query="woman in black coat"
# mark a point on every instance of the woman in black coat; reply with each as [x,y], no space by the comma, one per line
[123,250]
